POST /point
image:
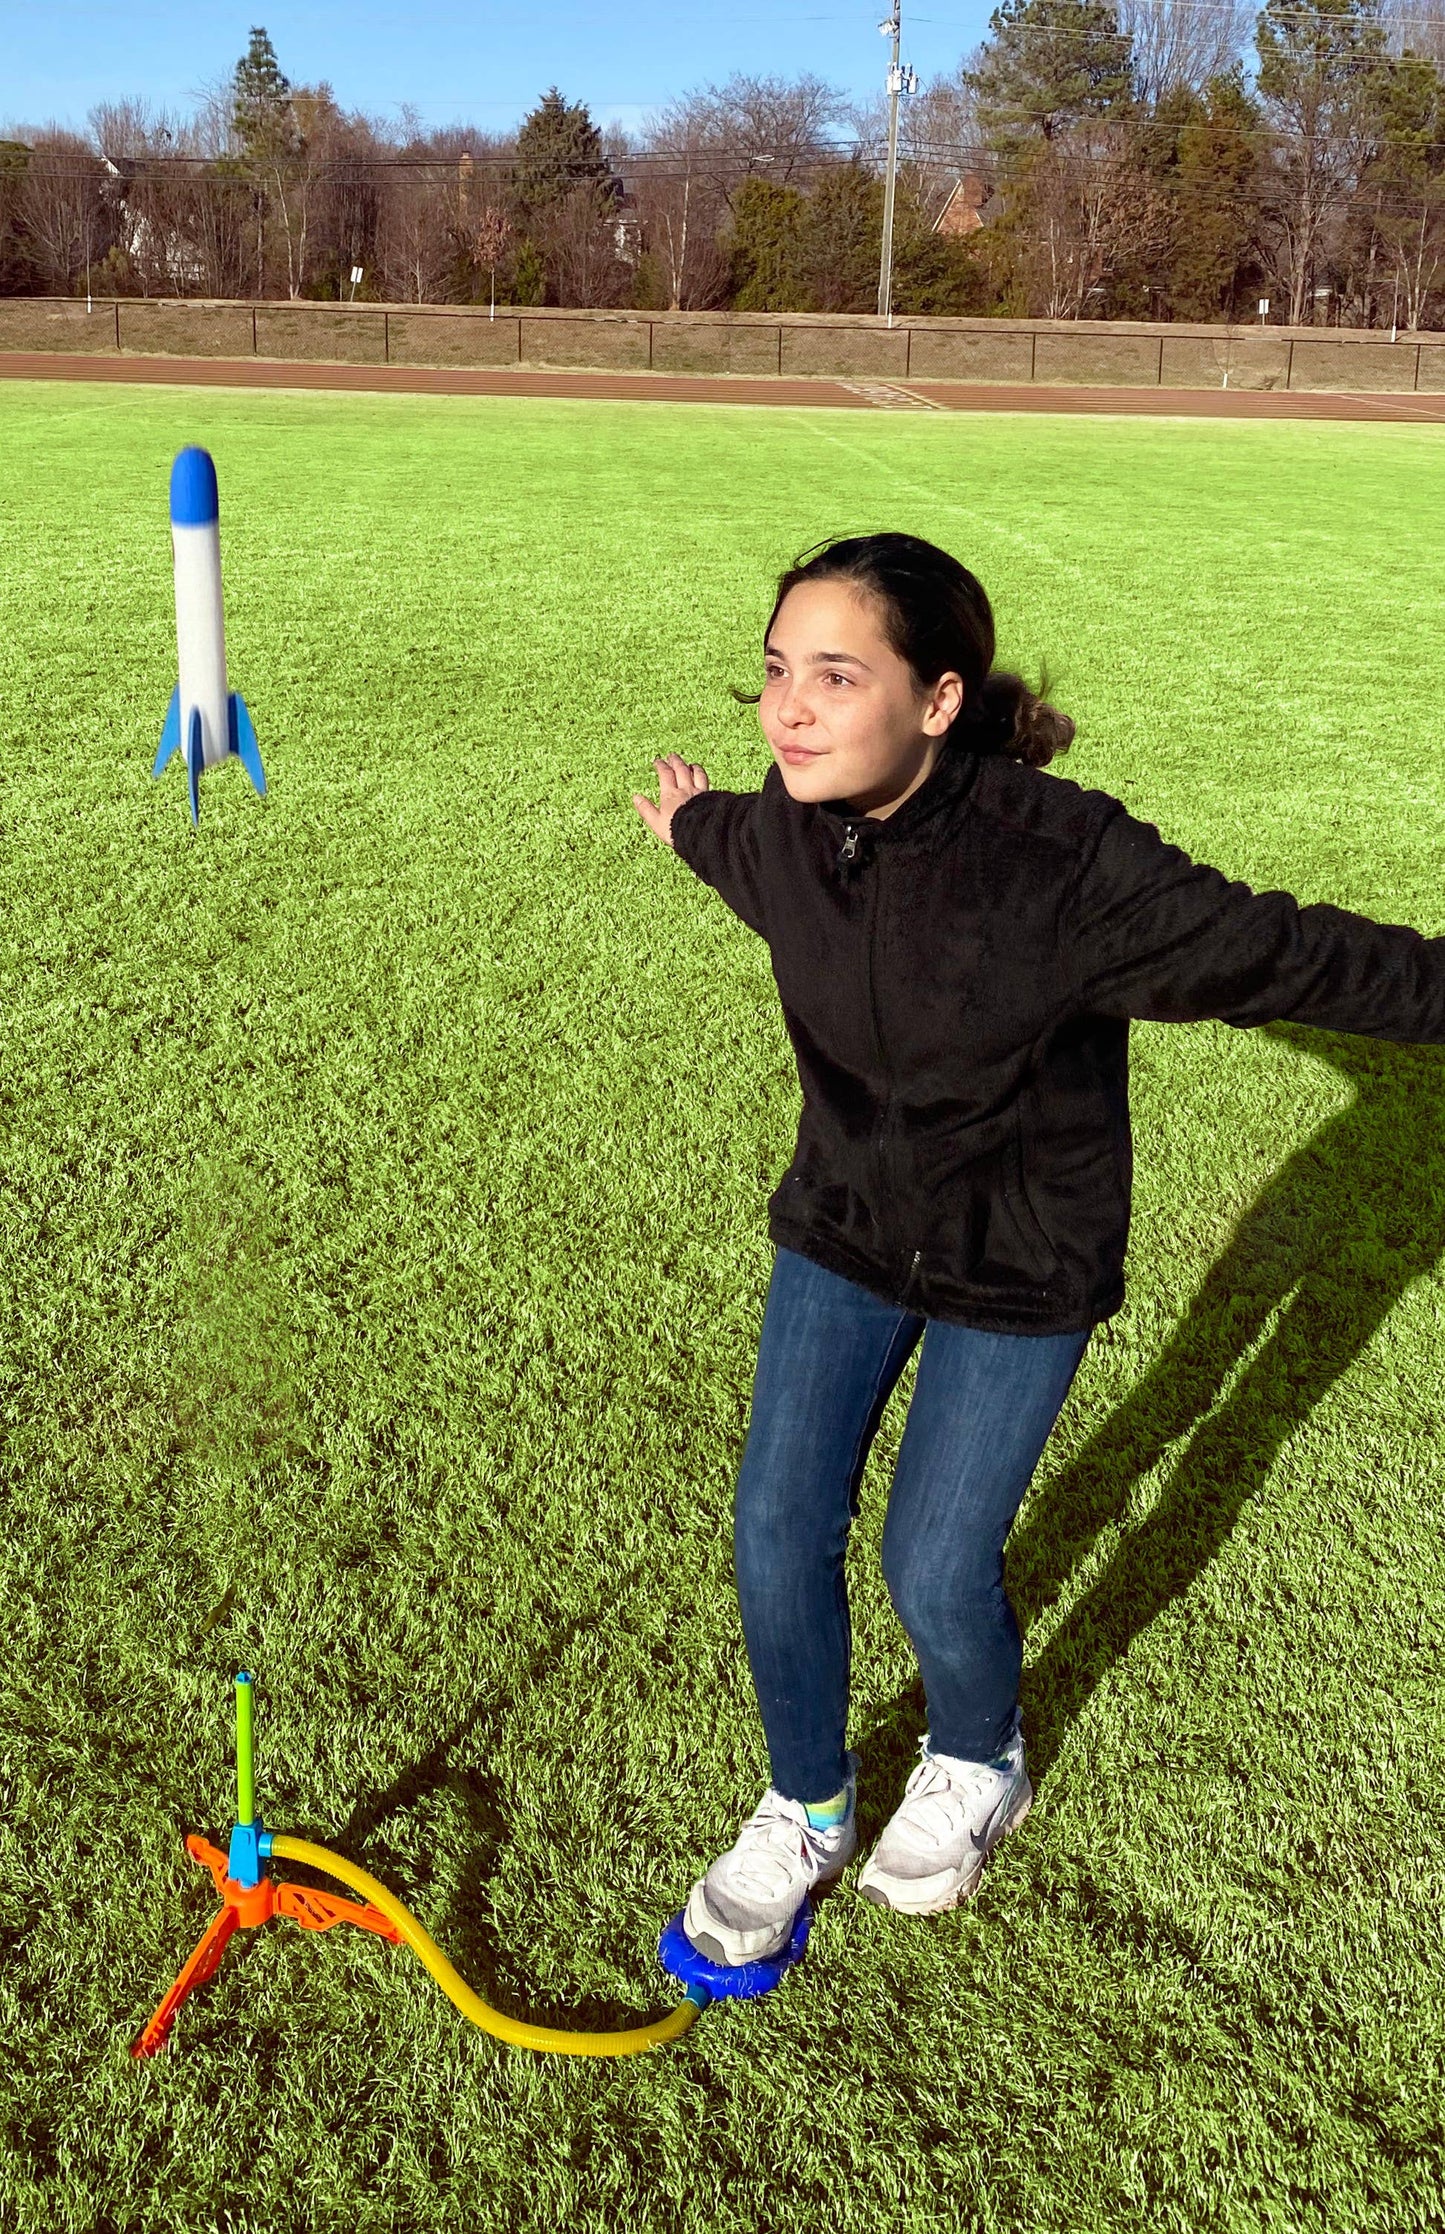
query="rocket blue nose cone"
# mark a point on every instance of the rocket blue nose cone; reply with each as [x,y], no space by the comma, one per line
[194,501]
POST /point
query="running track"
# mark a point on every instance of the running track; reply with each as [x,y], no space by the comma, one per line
[654,387]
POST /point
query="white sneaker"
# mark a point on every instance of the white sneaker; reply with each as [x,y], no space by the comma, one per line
[745,1907]
[954,1813]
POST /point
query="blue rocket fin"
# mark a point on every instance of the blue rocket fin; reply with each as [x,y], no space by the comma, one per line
[195,761]
[243,740]
[170,733]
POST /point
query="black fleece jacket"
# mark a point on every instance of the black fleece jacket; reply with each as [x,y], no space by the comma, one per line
[957,981]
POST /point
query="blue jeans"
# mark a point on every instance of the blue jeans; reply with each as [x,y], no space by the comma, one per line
[982,1409]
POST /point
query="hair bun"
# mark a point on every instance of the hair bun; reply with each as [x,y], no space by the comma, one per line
[1010,718]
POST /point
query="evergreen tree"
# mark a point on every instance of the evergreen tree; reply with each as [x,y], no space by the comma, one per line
[1049,64]
[1402,189]
[767,248]
[559,149]
[261,111]
[935,275]
[1216,204]
[1202,155]
[841,240]
[1311,52]
[529,274]
[840,246]
[17,270]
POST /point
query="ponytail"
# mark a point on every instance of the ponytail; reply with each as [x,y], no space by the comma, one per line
[1005,716]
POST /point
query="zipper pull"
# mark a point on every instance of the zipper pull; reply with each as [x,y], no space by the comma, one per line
[852,845]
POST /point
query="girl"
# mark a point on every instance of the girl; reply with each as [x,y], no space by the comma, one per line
[959,942]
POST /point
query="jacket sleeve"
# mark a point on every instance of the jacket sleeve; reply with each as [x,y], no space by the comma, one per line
[716,834]
[1153,934]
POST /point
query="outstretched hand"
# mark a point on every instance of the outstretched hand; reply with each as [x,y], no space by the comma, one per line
[677,779]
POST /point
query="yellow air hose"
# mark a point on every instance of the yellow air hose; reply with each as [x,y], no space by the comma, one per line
[545,2038]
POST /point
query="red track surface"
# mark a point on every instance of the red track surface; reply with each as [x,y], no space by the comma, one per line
[657,387]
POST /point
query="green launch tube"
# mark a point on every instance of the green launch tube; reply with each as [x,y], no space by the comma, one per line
[245,1751]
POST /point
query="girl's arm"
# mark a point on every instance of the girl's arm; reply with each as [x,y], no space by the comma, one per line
[718,841]
[1150,933]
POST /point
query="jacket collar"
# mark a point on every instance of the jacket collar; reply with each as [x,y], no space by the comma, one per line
[950,779]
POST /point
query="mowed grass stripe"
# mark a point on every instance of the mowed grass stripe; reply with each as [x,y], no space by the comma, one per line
[381,1214]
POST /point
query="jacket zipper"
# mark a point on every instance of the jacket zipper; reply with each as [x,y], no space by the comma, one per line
[847,853]
[870,921]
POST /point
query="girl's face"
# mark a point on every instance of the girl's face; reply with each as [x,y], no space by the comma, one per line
[846,717]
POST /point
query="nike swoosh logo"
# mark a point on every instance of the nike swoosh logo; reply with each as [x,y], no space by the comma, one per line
[982,1843]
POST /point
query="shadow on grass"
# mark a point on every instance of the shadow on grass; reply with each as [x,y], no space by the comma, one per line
[466,1931]
[1348,1221]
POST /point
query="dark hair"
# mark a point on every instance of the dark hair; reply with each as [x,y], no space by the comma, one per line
[937,616]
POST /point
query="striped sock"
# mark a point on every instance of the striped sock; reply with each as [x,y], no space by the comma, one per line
[826,1815]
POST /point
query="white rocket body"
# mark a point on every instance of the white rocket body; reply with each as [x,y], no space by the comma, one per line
[201,638]
[205,723]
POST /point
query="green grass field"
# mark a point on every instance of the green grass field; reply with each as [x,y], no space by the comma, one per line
[382,1216]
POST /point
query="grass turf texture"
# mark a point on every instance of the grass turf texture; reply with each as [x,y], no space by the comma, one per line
[384,1256]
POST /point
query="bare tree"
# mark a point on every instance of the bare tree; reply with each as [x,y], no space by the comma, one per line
[169,215]
[414,238]
[1082,209]
[577,236]
[1184,43]
[681,213]
[940,139]
[215,219]
[1318,67]
[349,198]
[784,127]
[1401,221]
[1397,222]
[1415,245]
[698,151]
[294,164]
[1416,27]
[61,207]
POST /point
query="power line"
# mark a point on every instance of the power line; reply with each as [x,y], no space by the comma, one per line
[819,149]
[1389,24]
[1125,39]
[226,169]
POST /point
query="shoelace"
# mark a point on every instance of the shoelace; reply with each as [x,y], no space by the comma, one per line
[939,1799]
[772,1842]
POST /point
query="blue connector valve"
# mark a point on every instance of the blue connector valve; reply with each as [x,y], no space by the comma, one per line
[250,1846]
[729,1981]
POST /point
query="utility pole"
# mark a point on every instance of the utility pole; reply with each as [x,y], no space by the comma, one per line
[899,81]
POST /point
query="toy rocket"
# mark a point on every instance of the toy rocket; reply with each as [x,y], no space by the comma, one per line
[205,722]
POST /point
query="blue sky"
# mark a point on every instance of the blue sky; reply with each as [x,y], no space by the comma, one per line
[456,59]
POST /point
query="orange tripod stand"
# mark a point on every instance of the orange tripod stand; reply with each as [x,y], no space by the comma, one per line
[248,1896]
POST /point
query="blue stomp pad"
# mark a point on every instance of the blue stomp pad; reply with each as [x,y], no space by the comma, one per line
[729,1981]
